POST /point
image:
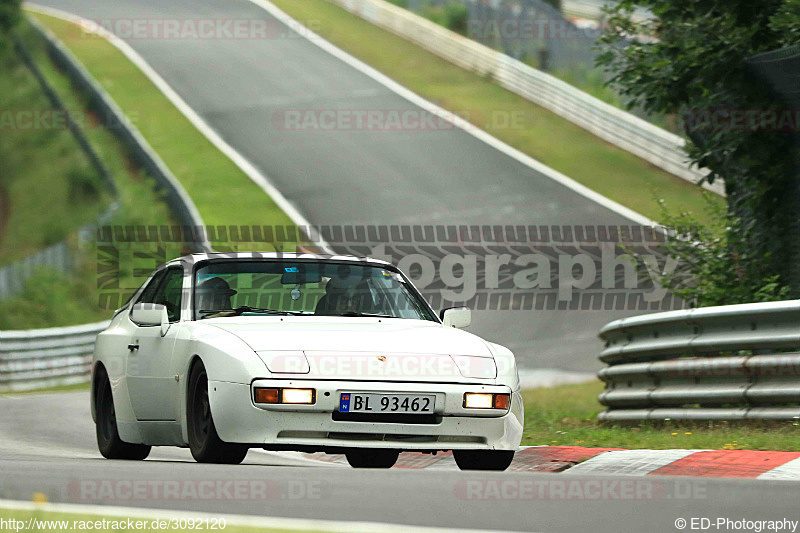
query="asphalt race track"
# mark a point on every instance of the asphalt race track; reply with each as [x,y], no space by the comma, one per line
[47,446]
[362,177]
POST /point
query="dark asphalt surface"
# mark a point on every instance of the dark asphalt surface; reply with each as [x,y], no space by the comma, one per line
[362,177]
[47,445]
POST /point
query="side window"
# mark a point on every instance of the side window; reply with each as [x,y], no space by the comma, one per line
[169,293]
[149,293]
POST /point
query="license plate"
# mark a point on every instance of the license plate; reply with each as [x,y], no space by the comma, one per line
[359,402]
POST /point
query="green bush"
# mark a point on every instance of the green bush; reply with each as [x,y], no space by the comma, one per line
[455,17]
[716,265]
[9,16]
[50,299]
[452,16]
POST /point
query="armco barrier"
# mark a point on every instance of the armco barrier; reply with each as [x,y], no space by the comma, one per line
[715,363]
[34,359]
[593,9]
[653,144]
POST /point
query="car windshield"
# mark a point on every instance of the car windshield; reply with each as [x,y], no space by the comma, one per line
[233,288]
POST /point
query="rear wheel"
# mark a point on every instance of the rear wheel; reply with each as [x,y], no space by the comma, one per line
[204,442]
[483,459]
[372,458]
[109,443]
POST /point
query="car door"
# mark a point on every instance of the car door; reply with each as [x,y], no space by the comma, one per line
[154,391]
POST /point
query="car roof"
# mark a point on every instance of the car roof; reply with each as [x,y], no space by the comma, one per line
[249,256]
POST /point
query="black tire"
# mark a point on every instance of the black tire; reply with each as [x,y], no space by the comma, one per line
[204,442]
[108,441]
[497,460]
[372,458]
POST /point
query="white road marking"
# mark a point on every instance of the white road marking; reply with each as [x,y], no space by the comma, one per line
[788,471]
[257,522]
[435,109]
[629,462]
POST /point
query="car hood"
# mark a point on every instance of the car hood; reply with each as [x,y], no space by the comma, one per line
[346,334]
[363,348]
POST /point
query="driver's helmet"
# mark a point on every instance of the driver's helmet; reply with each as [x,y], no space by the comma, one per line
[214,293]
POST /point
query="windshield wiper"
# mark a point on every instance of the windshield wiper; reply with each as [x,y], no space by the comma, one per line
[247,309]
[359,313]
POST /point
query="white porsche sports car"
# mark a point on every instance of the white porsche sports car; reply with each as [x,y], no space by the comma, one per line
[226,352]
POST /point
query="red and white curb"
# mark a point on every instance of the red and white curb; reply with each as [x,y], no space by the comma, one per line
[576,460]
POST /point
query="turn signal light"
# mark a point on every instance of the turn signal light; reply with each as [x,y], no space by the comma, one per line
[291,396]
[267,396]
[482,400]
[502,401]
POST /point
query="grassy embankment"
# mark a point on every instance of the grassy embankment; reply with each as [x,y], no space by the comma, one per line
[223,194]
[53,190]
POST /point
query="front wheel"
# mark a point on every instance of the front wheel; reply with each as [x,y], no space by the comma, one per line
[372,458]
[109,443]
[497,460]
[204,442]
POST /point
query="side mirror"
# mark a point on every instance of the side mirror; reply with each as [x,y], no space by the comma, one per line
[151,315]
[456,317]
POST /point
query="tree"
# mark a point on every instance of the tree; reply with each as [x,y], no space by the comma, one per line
[691,59]
[9,16]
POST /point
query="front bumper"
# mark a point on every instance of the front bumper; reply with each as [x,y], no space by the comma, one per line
[308,427]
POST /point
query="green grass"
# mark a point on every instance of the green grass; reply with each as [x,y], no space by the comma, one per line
[47,186]
[545,136]
[565,416]
[223,194]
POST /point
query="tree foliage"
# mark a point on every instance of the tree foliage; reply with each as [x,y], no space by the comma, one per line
[715,264]
[9,16]
[691,60]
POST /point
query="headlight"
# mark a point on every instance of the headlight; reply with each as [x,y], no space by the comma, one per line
[297,396]
[290,396]
[482,400]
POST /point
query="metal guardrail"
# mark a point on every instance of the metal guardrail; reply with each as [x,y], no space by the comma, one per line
[39,358]
[653,144]
[593,9]
[737,362]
